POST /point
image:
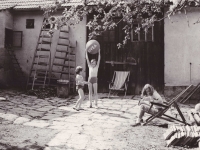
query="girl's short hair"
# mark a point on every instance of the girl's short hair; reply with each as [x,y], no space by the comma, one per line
[144,90]
[78,69]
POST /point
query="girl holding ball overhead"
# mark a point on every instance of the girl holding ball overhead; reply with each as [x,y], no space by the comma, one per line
[93,47]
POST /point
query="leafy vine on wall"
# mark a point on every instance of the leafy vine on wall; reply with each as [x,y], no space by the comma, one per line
[146,12]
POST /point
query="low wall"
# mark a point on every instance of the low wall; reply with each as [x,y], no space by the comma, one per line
[172,91]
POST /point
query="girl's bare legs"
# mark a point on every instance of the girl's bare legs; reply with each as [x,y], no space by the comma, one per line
[90,93]
[95,93]
[79,101]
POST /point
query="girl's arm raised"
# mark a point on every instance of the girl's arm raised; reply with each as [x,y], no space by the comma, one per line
[99,57]
[88,62]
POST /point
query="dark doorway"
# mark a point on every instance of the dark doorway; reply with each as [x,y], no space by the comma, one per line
[144,49]
[8,38]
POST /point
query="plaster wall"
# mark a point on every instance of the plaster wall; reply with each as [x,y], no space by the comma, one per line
[182,49]
[30,38]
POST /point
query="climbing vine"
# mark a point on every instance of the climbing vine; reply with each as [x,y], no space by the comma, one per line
[146,12]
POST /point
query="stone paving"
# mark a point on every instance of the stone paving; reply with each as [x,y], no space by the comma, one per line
[90,128]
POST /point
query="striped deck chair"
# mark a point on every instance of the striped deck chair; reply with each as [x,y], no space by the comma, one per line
[119,82]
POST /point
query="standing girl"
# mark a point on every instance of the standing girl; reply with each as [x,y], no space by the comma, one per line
[93,66]
[79,87]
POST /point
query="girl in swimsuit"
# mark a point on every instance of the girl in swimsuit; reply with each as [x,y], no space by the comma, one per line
[93,66]
[79,87]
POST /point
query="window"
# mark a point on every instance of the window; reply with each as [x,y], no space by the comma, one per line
[142,35]
[29,23]
[17,38]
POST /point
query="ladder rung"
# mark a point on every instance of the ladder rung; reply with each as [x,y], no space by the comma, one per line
[43,49]
[42,56]
[72,47]
[35,83]
[45,30]
[64,44]
[62,37]
[44,42]
[64,51]
[45,36]
[62,72]
[39,77]
[64,31]
[58,57]
[40,70]
[64,65]
[41,63]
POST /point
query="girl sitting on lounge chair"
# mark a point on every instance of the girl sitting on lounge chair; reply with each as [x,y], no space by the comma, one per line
[149,94]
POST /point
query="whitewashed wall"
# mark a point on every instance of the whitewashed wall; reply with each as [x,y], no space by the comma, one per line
[182,47]
[30,38]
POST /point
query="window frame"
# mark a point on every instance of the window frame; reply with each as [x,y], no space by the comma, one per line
[139,34]
[27,23]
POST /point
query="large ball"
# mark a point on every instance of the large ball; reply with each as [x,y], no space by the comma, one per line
[92,47]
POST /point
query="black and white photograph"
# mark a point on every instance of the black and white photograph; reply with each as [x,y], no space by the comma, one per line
[100,75]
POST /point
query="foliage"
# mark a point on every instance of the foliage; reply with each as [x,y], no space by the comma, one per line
[145,12]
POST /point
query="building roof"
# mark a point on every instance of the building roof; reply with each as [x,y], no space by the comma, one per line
[31,4]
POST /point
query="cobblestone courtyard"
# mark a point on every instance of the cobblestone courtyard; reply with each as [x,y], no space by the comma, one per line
[107,127]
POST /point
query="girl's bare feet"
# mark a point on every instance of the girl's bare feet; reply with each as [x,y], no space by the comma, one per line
[75,108]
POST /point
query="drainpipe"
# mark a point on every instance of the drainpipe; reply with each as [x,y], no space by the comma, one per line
[190,73]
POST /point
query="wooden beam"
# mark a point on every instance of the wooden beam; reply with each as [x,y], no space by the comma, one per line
[120,63]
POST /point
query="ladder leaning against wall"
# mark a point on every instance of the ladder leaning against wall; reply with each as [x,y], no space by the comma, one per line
[41,64]
[64,60]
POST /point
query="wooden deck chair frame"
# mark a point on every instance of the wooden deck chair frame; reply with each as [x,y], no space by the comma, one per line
[121,85]
[190,93]
[161,112]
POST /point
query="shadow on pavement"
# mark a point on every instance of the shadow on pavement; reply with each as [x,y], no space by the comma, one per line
[10,147]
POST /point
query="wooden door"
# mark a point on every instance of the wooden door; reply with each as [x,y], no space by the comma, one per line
[143,57]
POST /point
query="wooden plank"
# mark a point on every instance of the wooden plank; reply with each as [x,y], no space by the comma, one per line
[120,63]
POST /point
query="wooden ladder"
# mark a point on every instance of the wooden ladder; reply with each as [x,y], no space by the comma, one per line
[20,78]
[64,60]
[41,64]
